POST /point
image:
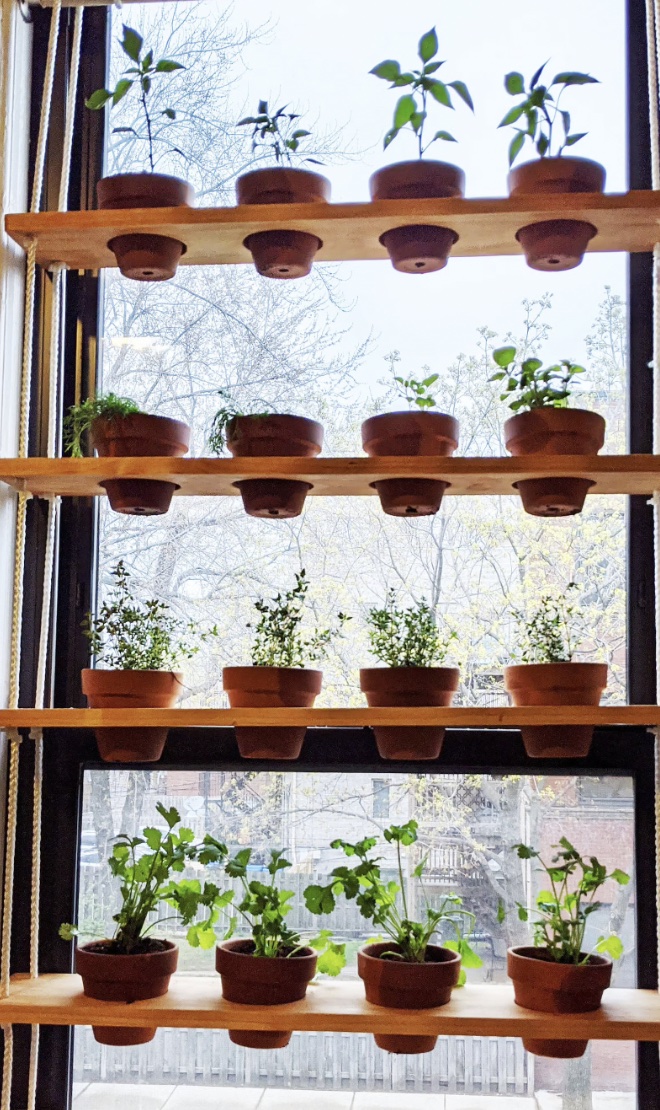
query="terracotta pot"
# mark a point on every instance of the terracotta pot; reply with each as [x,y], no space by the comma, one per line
[145,257]
[419,248]
[556,244]
[284,253]
[112,978]
[556,684]
[259,981]
[410,433]
[131,690]
[139,435]
[409,686]
[552,431]
[268,688]
[407,986]
[261,436]
[542,984]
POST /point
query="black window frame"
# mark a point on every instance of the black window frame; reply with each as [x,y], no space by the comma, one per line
[68,753]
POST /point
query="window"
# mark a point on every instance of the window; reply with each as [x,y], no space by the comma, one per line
[381,798]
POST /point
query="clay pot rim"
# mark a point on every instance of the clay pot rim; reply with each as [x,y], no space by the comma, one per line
[296,171]
[409,667]
[227,946]
[544,667]
[280,670]
[145,173]
[264,418]
[119,670]
[452,957]
[167,951]
[564,412]
[569,159]
[118,421]
[524,954]
[399,413]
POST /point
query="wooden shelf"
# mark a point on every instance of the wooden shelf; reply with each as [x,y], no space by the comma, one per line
[196,1003]
[459,717]
[214,236]
[340,477]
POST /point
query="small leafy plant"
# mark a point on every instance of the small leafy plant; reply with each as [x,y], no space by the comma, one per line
[552,633]
[144,866]
[415,393]
[80,418]
[131,635]
[263,908]
[224,422]
[277,133]
[141,74]
[542,115]
[406,637]
[278,637]
[564,909]
[378,900]
[412,108]
[528,385]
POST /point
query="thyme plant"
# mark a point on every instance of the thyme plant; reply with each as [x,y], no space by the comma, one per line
[276,132]
[542,115]
[385,903]
[412,108]
[530,385]
[80,418]
[131,635]
[553,631]
[279,640]
[563,910]
[141,74]
[406,637]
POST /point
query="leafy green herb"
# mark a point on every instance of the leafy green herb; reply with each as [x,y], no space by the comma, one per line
[80,418]
[378,899]
[564,909]
[277,132]
[540,113]
[530,384]
[552,633]
[133,635]
[278,637]
[423,88]
[406,637]
[141,74]
[222,428]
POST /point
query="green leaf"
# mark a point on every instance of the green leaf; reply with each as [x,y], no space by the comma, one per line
[512,115]
[611,946]
[620,877]
[121,88]
[131,43]
[461,88]
[514,83]
[390,136]
[444,135]
[153,838]
[515,146]
[501,912]
[572,139]
[428,45]
[405,109]
[67,931]
[319,899]
[469,957]
[332,960]
[575,79]
[167,65]
[439,92]
[171,816]
[98,99]
[432,67]
[387,70]
[537,75]
[169,112]
[504,356]
[522,913]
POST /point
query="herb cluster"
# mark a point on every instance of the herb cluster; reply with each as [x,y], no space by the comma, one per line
[552,633]
[530,385]
[222,427]
[279,640]
[406,637]
[541,112]
[80,418]
[276,132]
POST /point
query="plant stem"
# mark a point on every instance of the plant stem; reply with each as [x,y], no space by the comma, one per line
[403,886]
[149,134]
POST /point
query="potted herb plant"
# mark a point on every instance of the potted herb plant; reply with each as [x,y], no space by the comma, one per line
[419,248]
[539,119]
[278,675]
[419,431]
[284,253]
[558,974]
[410,645]
[272,965]
[542,424]
[267,434]
[141,643]
[142,257]
[117,428]
[548,675]
[406,971]
[133,964]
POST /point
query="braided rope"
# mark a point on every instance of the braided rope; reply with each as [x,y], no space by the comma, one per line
[10,852]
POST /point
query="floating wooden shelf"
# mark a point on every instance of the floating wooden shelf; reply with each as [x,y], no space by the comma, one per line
[459,717]
[341,477]
[196,1003]
[214,236]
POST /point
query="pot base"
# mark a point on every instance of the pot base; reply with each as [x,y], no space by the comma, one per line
[130,745]
[250,1038]
[147,257]
[410,496]
[139,496]
[418,249]
[405,1045]
[553,496]
[409,743]
[558,1050]
[273,498]
[270,743]
[557,741]
[555,244]
[113,1035]
[283,254]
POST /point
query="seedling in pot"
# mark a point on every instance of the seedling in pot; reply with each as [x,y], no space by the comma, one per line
[277,132]
[547,125]
[279,640]
[79,419]
[224,422]
[529,385]
[407,637]
[553,631]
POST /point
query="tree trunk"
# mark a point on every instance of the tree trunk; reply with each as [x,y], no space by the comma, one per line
[576,1090]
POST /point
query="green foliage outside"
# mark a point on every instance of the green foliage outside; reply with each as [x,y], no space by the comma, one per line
[406,637]
[529,385]
[539,110]
[279,640]
[80,418]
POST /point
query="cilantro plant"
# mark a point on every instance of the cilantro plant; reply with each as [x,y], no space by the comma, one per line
[263,908]
[412,108]
[553,631]
[279,640]
[144,866]
[141,74]
[564,909]
[539,110]
[406,637]
[80,418]
[530,385]
[385,903]
[276,132]
[131,635]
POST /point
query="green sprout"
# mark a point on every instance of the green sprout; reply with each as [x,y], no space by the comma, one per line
[530,384]
[541,112]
